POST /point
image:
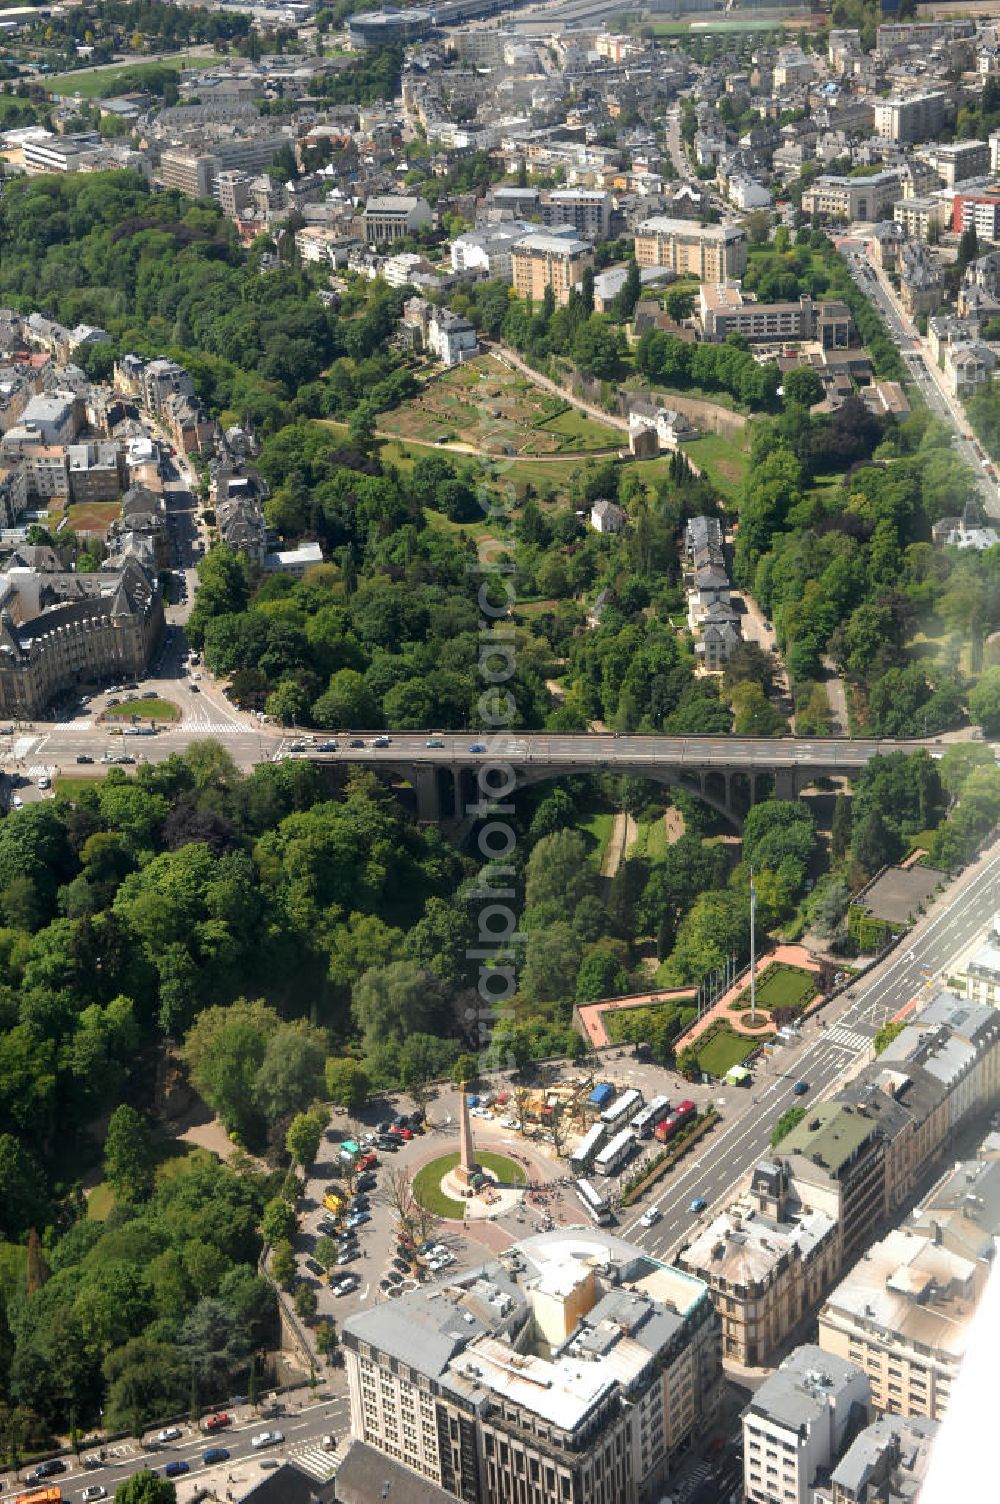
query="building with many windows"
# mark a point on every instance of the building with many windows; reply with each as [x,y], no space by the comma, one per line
[868,198]
[712,253]
[796,1424]
[911,117]
[393,217]
[549,260]
[58,630]
[576,1367]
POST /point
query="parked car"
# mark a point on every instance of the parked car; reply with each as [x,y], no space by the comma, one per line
[394,1277]
[346,1255]
[401,1265]
[45,1470]
[169,1433]
[328,746]
[367,1182]
[368,1161]
[92,1492]
[345,1285]
[358,1219]
[267,1439]
[314,1267]
[217,1422]
[83,757]
[176,1469]
[213,1455]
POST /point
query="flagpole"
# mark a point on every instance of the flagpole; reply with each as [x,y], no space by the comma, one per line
[753,957]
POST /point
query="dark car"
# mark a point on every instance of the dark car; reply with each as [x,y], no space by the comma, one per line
[82,757]
[314,1267]
[356,742]
[194,689]
[358,1204]
[45,1470]
[367,1182]
[800,1088]
[214,1454]
[385,1284]
[176,1469]
[401,1265]
[388,1146]
[394,1277]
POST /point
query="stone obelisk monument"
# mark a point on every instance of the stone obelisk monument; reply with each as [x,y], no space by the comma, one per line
[466,1167]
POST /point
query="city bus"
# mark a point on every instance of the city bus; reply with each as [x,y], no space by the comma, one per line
[647,1119]
[622,1111]
[615,1154]
[596,1207]
[583,1154]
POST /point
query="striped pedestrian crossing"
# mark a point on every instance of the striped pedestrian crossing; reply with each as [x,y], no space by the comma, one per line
[848,1039]
[316,1461]
[39,770]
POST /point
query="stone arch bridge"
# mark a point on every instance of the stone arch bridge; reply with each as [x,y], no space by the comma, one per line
[454,773]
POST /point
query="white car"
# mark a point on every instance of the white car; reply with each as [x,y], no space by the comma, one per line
[95,1491]
[169,1433]
[508,1122]
[650,1217]
[44,782]
[267,1439]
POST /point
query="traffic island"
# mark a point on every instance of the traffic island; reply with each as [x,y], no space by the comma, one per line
[496,1186]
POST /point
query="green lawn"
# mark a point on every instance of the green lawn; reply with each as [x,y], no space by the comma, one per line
[72,785]
[726,1048]
[597,826]
[100,1201]
[785,987]
[144,710]
[581,432]
[724,461]
[103,82]
[427,1181]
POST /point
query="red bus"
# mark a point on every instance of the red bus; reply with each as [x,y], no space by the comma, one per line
[682,1113]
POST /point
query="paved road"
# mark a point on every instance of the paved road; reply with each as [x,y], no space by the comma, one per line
[304,1420]
[919,363]
[824,1055]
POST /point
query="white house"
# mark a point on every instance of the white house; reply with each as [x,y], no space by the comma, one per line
[450,337]
[607,517]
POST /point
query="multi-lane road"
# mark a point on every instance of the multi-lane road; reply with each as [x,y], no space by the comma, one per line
[304,1419]
[919,364]
[824,1054]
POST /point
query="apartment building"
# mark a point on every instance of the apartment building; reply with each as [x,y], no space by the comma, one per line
[574,1367]
[767,1262]
[982,974]
[94,471]
[868,198]
[836,1158]
[58,630]
[886,1463]
[393,217]
[546,260]
[797,1423]
[712,253]
[919,215]
[981,211]
[489,249]
[957,161]
[587,210]
[723,310]
[903,1315]
[906,118]
[189,172]
[13,494]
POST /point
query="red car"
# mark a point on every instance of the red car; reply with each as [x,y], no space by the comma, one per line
[407,1133]
[218,1422]
[368,1162]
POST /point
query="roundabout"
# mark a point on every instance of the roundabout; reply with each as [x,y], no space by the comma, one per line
[497,1180]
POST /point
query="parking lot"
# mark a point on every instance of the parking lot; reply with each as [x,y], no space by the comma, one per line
[369,1247]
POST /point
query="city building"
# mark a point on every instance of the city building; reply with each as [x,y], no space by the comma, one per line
[58,630]
[451,337]
[13,494]
[190,172]
[957,161]
[576,1367]
[393,217]
[982,974]
[796,1424]
[836,1159]
[767,1262]
[544,260]
[587,210]
[724,310]
[373,29]
[864,198]
[903,1315]
[489,249]
[712,253]
[911,117]
[886,1463]
[980,211]
[94,471]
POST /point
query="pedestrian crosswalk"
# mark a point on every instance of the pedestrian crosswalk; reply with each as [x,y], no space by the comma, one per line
[316,1461]
[39,770]
[216,728]
[74,725]
[849,1039]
